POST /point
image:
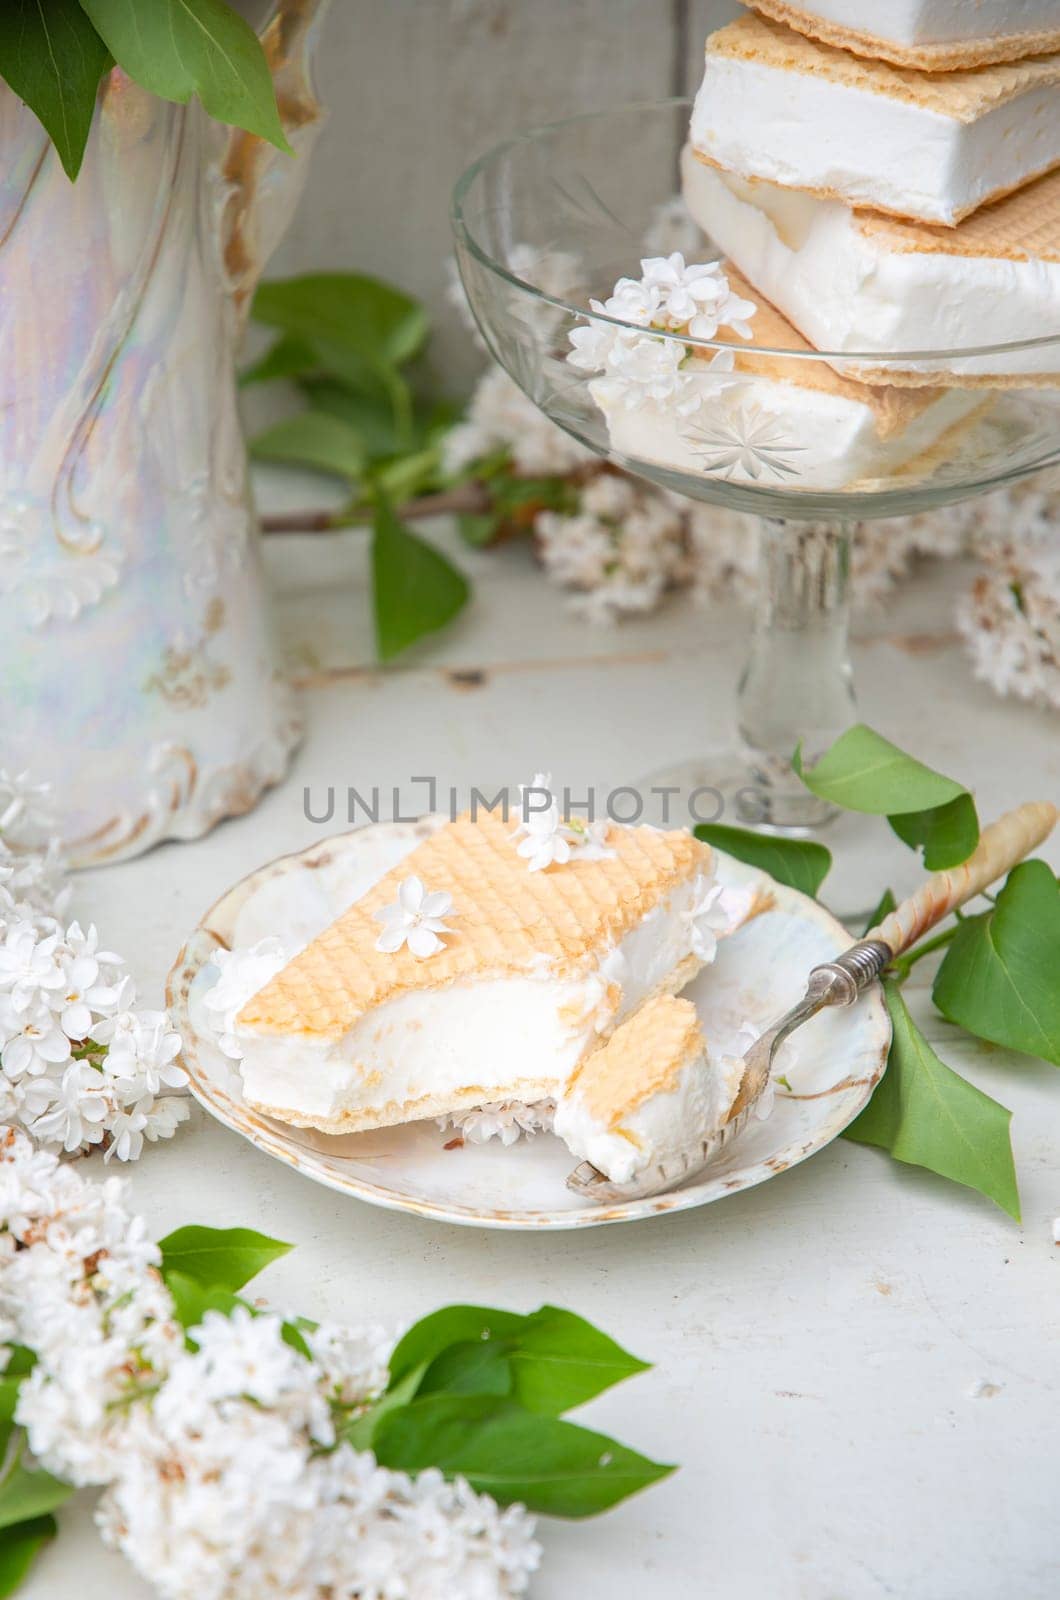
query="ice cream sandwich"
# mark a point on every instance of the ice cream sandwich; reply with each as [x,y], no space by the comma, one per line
[853,280]
[930,147]
[529,970]
[650,1094]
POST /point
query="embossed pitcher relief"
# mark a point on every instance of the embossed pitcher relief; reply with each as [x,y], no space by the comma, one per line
[135,648]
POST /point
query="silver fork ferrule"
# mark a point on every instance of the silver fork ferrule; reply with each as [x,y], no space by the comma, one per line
[840,982]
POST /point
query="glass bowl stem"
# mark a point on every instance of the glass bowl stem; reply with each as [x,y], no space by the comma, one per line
[797,687]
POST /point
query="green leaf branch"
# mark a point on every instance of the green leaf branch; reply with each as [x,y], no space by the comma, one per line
[352,347]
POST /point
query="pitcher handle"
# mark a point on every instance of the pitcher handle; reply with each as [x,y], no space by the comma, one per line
[264,185]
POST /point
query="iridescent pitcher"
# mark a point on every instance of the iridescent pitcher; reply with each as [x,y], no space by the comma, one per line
[137,675]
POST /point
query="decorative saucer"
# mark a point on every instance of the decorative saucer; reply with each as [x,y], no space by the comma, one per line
[832,1066]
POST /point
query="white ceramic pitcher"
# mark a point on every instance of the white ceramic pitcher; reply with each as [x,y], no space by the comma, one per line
[137,675]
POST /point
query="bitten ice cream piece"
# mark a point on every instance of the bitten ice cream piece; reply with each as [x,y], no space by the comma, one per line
[649,1094]
[933,35]
[853,280]
[934,148]
[519,974]
[777,419]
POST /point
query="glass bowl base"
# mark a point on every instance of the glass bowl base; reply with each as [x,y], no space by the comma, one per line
[735,787]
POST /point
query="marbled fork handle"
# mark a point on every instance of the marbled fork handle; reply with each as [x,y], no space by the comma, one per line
[1001,846]
[839,983]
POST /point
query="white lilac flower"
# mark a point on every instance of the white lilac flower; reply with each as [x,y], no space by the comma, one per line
[141,1053]
[30,971]
[127,1129]
[715,912]
[577,551]
[39,1045]
[93,982]
[543,840]
[76,1109]
[416,918]
[501,417]
[244,1356]
[20,800]
[33,885]
[506,1120]
[622,550]
[164,1118]
[681,292]
[591,346]
[609,496]
[643,367]
[633,300]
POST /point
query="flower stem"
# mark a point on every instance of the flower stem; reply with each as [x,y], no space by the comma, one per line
[465,498]
[904,965]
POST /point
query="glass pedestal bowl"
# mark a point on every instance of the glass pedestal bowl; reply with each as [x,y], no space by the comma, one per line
[811,442]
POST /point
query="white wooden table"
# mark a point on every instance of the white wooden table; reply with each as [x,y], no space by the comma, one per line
[857,1365]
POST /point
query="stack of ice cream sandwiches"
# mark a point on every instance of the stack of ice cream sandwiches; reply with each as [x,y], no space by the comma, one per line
[889,178]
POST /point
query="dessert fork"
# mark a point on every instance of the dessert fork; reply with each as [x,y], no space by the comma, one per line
[839,983]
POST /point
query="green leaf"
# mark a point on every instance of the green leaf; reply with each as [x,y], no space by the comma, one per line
[25,1494]
[1001,976]
[548,1361]
[53,58]
[360,1430]
[887,904]
[947,835]
[219,1258]
[403,477]
[560,1361]
[549,1466]
[863,771]
[359,324]
[19,1364]
[287,357]
[20,1546]
[479,528]
[181,48]
[513,494]
[925,1114]
[481,1367]
[192,1298]
[369,411]
[416,590]
[313,439]
[428,1338]
[799,863]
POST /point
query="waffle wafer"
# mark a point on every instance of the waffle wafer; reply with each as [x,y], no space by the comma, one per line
[506,920]
[916,48]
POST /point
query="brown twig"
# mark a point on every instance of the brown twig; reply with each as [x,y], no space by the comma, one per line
[467,498]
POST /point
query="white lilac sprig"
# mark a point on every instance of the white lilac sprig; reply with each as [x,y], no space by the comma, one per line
[416,918]
[81,1065]
[669,297]
[546,838]
[219,1455]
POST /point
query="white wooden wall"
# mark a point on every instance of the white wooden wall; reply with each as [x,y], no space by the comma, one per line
[418,88]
